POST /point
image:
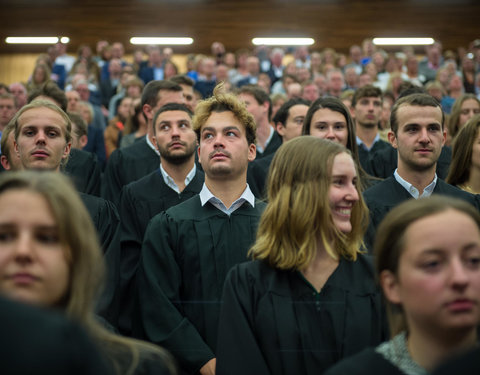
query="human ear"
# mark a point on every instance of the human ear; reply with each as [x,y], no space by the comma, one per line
[392,139]
[390,286]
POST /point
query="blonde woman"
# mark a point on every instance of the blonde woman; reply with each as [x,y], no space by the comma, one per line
[308,299]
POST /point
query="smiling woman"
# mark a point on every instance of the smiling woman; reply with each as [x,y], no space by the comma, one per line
[308,299]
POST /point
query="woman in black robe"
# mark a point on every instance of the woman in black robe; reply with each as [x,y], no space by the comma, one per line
[428,264]
[308,299]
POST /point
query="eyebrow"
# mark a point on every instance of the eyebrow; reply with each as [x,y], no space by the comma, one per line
[227,128]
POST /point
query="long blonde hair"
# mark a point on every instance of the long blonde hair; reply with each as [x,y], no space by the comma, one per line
[78,236]
[298,209]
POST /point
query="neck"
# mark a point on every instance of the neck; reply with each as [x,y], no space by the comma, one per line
[227,190]
[429,349]
[263,132]
[142,130]
[474,180]
[150,131]
[419,179]
[367,134]
[178,172]
[321,268]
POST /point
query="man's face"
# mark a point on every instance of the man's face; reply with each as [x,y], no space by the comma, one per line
[189,97]
[20,93]
[7,111]
[73,98]
[419,138]
[258,111]
[41,142]
[335,82]
[367,111]
[83,91]
[293,126]
[174,137]
[224,151]
[310,92]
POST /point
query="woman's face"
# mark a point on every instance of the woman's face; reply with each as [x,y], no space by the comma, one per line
[329,125]
[470,108]
[39,75]
[438,277]
[33,264]
[343,192]
[476,151]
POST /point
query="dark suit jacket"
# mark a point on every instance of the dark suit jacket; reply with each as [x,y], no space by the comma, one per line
[385,195]
[83,168]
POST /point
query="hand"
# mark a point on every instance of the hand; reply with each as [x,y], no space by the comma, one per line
[209,367]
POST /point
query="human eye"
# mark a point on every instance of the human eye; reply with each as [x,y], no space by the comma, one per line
[28,132]
[339,126]
[465,111]
[48,237]
[231,133]
[431,264]
[321,126]
[207,135]
[434,128]
[6,235]
[476,111]
[53,133]
[184,125]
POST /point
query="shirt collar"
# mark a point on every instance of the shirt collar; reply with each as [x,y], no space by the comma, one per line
[151,145]
[207,196]
[360,142]
[260,148]
[171,183]
[412,190]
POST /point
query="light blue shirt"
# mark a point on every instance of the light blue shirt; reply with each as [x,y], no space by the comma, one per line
[207,196]
[171,183]
[361,144]
[150,144]
[412,189]
[260,148]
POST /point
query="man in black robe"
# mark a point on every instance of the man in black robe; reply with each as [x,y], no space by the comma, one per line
[131,163]
[176,180]
[42,141]
[418,134]
[188,249]
[258,103]
[367,109]
[288,123]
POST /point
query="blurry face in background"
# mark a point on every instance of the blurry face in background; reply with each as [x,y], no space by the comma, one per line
[470,108]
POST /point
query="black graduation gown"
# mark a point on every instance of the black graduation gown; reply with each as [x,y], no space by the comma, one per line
[466,364]
[367,362]
[387,194]
[272,146]
[186,255]
[34,341]
[139,202]
[104,216]
[257,175]
[365,155]
[126,165]
[384,162]
[275,322]
[84,170]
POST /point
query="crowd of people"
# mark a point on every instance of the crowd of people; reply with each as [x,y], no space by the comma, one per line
[267,211]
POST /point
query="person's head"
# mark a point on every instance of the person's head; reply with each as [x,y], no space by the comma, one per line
[19,90]
[427,253]
[312,199]
[124,108]
[289,118]
[335,81]
[117,50]
[81,86]
[158,93]
[310,91]
[170,69]
[227,134]
[79,131]
[174,136]
[329,118]
[463,109]
[52,251]
[85,109]
[49,91]
[435,89]
[134,87]
[41,73]
[417,132]
[42,135]
[186,83]
[7,109]
[367,106]
[73,98]
[9,159]
[257,101]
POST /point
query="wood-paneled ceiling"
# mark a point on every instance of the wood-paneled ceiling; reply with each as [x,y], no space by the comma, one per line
[332,23]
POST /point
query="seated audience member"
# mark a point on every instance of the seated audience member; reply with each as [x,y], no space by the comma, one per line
[42,141]
[114,131]
[19,90]
[328,118]
[40,75]
[206,80]
[308,299]
[95,142]
[189,248]
[454,91]
[7,110]
[136,125]
[465,166]
[288,123]
[176,180]
[258,103]
[128,164]
[418,134]
[367,109]
[464,108]
[427,255]
[53,259]
[130,85]
[35,341]
[186,83]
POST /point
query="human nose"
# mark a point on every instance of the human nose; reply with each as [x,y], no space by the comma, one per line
[352,192]
[424,138]
[23,248]
[40,137]
[458,274]
[175,131]
[330,133]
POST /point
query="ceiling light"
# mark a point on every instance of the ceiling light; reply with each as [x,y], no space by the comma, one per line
[35,40]
[283,41]
[402,41]
[161,40]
